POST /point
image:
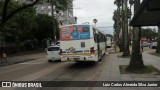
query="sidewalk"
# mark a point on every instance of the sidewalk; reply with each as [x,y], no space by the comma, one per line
[112,72]
[22,58]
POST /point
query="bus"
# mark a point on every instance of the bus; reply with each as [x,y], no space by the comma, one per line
[108,42]
[81,42]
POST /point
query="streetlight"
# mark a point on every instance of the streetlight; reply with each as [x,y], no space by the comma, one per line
[95,21]
[75,20]
[54,25]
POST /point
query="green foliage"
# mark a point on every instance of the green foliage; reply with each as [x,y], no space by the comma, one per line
[27,25]
[60,4]
[149,33]
[118,2]
[45,27]
[22,24]
[117,21]
[108,35]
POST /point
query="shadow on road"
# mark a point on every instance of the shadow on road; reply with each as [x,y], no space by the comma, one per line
[57,61]
[81,65]
[87,64]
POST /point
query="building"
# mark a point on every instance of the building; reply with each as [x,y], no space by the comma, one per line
[65,17]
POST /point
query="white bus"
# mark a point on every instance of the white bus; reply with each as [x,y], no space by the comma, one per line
[108,42]
[81,42]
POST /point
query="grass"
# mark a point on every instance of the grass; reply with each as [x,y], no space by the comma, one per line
[115,48]
[155,54]
[148,49]
[148,69]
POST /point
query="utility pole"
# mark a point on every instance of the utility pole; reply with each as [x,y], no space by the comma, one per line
[54,23]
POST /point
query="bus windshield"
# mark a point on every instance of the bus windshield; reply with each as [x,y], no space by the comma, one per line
[75,32]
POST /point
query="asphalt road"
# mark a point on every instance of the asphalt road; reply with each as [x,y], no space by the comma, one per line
[42,70]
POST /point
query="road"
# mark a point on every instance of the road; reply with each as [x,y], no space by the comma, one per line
[42,70]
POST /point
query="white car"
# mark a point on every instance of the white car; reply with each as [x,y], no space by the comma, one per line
[53,53]
[153,45]
[145,44]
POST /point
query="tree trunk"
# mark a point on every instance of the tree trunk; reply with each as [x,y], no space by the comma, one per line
[158,42]
[136,61]
[123,26]
[126,42]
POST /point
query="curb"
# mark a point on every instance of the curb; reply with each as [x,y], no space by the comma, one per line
[11,63]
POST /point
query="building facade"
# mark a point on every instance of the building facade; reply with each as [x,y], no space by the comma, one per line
[67,16]
[64,17]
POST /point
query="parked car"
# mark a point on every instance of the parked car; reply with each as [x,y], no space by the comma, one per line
[53,53]
[153,45]
[149,44]
[145,44]
[58,43]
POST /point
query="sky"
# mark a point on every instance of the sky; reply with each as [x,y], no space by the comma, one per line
[102,10]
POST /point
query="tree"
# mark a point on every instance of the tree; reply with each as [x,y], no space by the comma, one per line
[136,60]
[117,23]
[126,51]
[59,5]
[45,29]
[109,35]
[117,17]
[158,43]
[6,15]
[21,25]
[148,33]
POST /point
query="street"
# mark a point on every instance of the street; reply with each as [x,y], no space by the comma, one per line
[42,70]
[100,44]
[105,70]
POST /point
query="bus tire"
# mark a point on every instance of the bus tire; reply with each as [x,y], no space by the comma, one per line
[49,61]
